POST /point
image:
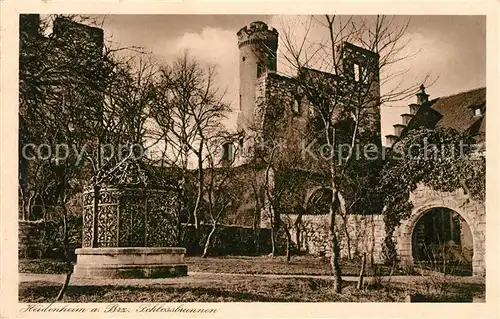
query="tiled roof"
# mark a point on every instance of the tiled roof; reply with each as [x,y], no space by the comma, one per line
[458,110]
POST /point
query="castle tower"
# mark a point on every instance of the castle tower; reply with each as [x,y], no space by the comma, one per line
[258,45]
[361,67]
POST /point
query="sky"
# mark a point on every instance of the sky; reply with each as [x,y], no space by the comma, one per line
[451,50]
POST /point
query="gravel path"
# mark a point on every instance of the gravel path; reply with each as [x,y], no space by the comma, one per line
[203,277]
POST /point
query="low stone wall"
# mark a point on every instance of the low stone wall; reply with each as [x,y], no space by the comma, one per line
[357,233]
[31,239]
[42,239]
[228,240]
[39,239]
[361,234]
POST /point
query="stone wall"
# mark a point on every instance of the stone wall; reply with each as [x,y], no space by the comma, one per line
[473,212]
[228,240]
[367,233]
[275,113]
[31,235]
[357,233]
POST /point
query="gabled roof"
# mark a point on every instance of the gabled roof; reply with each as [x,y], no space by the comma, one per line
[458,110]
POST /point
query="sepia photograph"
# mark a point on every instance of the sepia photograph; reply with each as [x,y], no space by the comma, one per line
[173,158]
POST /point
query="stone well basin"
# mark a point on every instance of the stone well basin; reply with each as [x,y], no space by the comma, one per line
[130,262]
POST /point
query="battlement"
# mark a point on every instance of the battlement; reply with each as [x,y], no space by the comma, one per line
[257,32]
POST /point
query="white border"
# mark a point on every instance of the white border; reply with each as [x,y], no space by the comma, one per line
[8,142]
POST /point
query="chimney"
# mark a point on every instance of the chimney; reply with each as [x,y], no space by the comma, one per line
[406,118]
[422,97]
[398,129]
[390,139]
[422,100]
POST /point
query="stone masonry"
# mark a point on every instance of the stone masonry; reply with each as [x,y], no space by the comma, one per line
[473,212]
[366,233]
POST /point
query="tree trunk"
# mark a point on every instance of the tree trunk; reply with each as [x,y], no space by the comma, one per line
[335,249]
[362,273]
[200,187]
[30,200]
[273,241]
[23,203]
[198,199]
[297,231]
[348,238]
[208,241]
[288,243]
[335,263]
[69,265]
[65,286]
[256,213]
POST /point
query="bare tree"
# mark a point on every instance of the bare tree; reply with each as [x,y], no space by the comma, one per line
[222,185]
[347,94]
[276,157]
[75,94]
[188,113]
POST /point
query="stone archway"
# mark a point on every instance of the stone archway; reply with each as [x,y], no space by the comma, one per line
[425,199]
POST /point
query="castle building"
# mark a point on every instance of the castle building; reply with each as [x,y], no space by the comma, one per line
[463,112]
[274,106]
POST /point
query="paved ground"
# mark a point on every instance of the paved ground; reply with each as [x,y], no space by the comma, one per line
[202,277]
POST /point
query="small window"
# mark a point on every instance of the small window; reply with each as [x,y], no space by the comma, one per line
[240,102]
[478,112]
[241,142]
[243,59]
[297,106]
[227,152]
[357,72]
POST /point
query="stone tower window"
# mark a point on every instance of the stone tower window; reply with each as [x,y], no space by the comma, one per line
[357,72]
[297,106]
[243,59]
[227,152]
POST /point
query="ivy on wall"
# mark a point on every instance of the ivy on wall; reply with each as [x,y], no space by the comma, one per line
[442,159]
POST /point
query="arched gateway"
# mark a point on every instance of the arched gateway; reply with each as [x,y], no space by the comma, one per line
[424,200]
